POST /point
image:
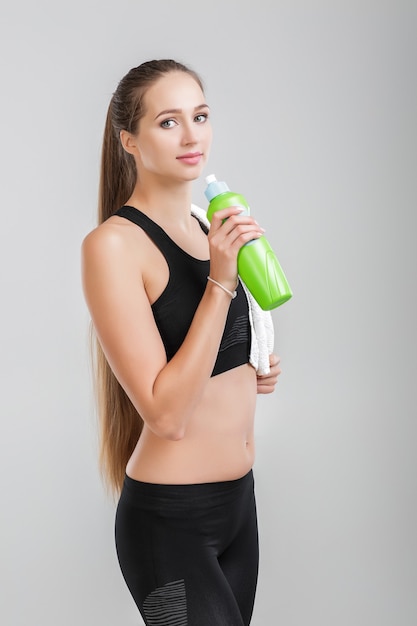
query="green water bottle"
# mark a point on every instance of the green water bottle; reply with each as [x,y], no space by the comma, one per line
[257,264]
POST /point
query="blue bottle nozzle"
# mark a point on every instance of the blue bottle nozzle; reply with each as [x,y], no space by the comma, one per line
[214,187]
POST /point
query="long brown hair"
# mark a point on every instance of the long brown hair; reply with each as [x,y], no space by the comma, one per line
[120,423]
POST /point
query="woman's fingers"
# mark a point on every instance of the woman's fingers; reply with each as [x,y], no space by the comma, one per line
[267,382]
[230,226]
[230,230]
[223,214]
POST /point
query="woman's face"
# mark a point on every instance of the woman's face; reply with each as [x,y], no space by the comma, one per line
[174,135]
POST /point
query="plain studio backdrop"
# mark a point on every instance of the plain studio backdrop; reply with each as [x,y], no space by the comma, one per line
[314,112]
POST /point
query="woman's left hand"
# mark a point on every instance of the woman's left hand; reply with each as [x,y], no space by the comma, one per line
[267,382]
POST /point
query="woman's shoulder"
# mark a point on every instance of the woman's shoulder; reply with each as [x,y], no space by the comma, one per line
[111,256]
[102,236]
[115,236]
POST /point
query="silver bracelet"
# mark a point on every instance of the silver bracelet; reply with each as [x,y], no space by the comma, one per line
[232,294]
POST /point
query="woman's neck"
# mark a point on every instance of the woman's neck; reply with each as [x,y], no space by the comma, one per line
[164,202]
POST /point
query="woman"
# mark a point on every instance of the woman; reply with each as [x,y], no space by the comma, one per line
[176,372]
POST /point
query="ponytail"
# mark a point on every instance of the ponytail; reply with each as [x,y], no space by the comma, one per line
[117,174]
[120,425]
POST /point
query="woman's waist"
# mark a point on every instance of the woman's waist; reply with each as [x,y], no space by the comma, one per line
[210,507]
[196,458]
[218,440]
[195,492]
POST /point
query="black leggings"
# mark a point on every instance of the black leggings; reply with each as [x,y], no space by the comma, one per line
[189,553]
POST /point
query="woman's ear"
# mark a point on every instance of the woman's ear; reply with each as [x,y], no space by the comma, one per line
[128,142]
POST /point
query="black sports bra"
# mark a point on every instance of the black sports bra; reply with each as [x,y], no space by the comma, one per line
[175,308]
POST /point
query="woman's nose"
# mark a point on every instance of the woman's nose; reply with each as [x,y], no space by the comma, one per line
[190,134]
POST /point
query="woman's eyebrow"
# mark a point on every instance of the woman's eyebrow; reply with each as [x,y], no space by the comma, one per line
[174,111]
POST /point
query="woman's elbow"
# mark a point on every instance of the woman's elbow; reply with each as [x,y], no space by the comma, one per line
[168,427]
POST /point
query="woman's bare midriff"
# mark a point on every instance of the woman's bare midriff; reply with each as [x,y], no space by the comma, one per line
[219,441]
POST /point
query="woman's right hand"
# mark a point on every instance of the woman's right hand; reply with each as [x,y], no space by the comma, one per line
[230,229]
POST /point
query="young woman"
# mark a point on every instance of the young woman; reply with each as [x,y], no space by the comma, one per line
[180,343]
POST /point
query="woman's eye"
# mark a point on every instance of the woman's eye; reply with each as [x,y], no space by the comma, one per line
[168,123]
[201,117]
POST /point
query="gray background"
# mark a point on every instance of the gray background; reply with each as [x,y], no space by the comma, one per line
[314,113]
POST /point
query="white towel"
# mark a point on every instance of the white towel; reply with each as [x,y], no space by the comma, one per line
[262,342]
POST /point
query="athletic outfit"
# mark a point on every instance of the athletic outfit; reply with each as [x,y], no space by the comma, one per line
[189,553]
[175,308]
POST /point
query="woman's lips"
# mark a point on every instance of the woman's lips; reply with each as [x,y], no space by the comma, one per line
[191,158]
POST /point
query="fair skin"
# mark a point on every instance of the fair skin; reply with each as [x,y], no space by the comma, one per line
[197,428]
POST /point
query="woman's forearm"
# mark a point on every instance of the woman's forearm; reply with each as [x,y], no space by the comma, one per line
[180,384]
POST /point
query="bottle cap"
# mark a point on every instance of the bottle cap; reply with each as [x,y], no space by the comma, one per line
[214,187]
